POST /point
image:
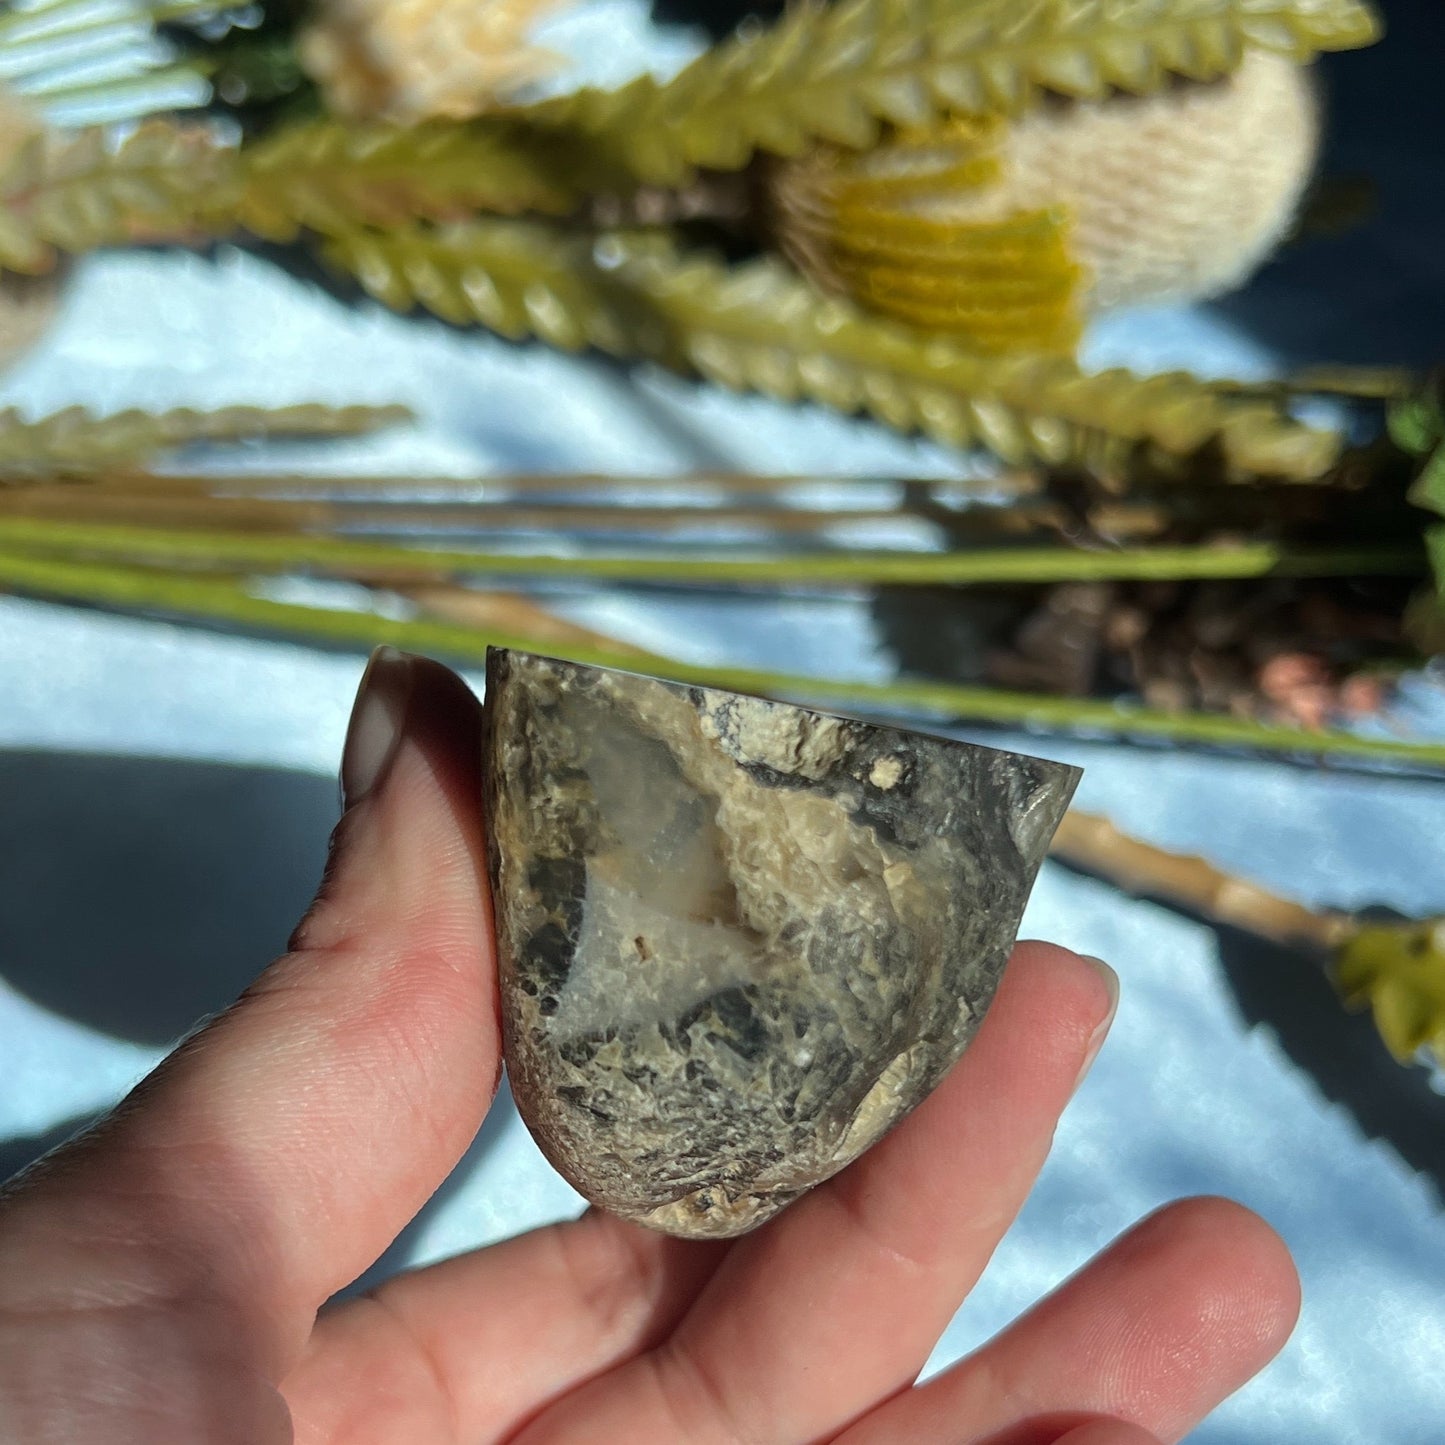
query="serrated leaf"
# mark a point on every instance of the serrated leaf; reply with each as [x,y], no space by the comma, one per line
[75,192]
[171,182]
[325,174]
[761,327]
[914,62]
[74,441]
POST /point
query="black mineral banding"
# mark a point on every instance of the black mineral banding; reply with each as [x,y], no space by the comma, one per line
[738,940]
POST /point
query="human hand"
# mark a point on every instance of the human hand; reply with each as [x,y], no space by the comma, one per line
[161,1277]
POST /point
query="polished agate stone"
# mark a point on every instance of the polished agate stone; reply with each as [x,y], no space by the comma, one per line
[738,940]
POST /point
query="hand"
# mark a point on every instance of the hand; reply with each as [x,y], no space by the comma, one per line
[161,1277]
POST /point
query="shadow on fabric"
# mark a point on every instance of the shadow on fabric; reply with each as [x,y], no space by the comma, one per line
[1286,992]
[21,1152]
[1340,1050]
[138,895]
[1361,296]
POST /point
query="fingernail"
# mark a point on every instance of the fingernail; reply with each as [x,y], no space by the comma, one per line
[1110,980]
[377,719]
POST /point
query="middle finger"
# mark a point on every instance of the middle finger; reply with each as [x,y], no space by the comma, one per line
[813,1319]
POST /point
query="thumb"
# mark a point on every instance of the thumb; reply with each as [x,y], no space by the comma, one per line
[278,1151]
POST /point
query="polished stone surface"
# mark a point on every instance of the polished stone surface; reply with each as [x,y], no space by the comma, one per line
[739,940]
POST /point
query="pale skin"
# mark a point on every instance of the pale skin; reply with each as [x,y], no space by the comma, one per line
[165,1278]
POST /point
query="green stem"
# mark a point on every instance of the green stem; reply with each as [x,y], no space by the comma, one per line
[228,601]
[230,551]
[321,483]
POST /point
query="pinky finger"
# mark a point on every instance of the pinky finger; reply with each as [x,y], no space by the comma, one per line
[1152,1334]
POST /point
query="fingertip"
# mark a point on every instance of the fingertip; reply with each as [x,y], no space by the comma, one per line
[1108,1432]
[410,846]
[1055,1000]
[1179,1312]
[1242,1256]
[404,696]
[1040,953]
[377,723]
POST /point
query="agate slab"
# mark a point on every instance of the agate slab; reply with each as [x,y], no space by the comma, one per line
[738,940]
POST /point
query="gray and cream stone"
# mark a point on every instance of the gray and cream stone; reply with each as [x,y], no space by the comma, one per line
[739,940]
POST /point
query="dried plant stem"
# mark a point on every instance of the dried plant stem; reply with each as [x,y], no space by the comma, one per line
[1396,968]
[1020,484]
[239,551]
[490,612]
[1351,383]
[229,602]
[1095,845]
[226,600]
[430,518]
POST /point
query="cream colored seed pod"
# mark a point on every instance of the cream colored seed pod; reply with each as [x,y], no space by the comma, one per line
[1178,196]
[1006,233]
[411,60]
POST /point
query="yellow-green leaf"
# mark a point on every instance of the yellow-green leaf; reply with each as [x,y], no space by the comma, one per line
[839,73]
[761,327]
[1398,972]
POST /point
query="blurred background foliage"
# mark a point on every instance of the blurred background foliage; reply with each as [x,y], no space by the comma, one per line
[910,209]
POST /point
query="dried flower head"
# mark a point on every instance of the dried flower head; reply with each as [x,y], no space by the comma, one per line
[410,60]
[1004,233]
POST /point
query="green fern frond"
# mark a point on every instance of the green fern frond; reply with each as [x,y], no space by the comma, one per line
[325,176]
[760,327]
[76,441]
[840,72]
[76,192]
[174,182]
[346,556]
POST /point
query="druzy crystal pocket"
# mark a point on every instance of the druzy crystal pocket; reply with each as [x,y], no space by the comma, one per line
[739,940]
